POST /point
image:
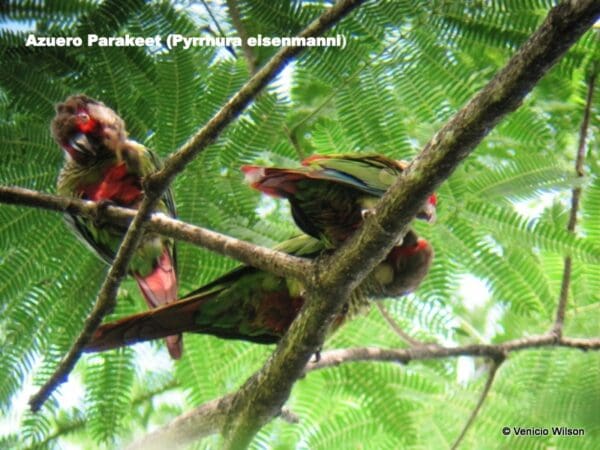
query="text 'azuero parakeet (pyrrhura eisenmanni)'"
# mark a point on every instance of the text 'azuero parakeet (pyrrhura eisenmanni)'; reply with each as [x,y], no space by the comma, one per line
[102,164]
[253,305]
[331,193]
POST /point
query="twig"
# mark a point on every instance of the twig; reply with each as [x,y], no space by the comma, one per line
[263,258]
[291,131]
[236,20]
[77,423]
[154,186]
[575,197]
[205,420]
[263,395]
[486,389]
[213,18]
[334,358]
[219,29]
[397,329]
[294,140]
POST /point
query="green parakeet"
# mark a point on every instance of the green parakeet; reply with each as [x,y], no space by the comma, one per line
[102,164]
[257,306]
[331,193]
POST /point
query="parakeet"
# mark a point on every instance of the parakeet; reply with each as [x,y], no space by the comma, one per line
[102,164]
[331,194]
[253,305]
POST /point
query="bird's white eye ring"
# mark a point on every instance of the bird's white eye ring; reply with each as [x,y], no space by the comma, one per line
[84,117]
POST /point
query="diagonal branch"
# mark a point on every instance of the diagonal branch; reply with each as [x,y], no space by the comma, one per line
[104,305]
[236,104]
[575,197]
[486,390]
[262,258]
[199,422]
[156,184]
[209,418]
[259,399]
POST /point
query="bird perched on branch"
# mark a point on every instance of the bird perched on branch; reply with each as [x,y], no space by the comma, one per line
[102,164]
[257,306]
[331,194]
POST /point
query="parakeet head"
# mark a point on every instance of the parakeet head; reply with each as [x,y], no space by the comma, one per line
[83,127]
[409,263]
[428,210]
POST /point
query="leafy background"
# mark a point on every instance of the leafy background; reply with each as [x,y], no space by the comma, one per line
[409,65]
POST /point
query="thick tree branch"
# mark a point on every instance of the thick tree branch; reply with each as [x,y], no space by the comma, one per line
[197,423]
[575,197]
[486,390]
[156,184]
[265,392]
[261,257]
[209,418]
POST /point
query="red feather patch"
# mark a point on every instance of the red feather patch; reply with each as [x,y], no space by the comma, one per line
[279,183]
[421,245]
[116,185]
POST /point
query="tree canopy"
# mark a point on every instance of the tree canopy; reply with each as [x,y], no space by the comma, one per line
[500,240]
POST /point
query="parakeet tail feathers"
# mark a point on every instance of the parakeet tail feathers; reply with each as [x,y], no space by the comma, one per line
[160,288]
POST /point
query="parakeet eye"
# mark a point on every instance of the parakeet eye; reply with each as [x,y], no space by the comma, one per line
[83,116]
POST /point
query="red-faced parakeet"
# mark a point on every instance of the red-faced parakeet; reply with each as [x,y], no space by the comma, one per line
[102,164]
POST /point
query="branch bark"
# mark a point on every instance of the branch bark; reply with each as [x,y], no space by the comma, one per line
[197,423]
[258,400]
[209,418]
[156,184]
[575,197]
[262,258]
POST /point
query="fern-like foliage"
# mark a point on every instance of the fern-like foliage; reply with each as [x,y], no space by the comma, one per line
[408,66]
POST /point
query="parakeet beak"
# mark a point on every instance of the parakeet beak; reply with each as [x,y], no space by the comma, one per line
[431,214]
[80,144]
[428,213]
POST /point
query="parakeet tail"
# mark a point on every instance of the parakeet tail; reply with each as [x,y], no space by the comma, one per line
[272,181]
[166,321]
[160,288]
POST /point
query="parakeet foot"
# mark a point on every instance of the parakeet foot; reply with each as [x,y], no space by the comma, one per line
[317,355]
[100,220]
[365,213]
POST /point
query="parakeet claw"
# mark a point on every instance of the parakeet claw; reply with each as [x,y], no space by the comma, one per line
[100,220]
[317,356]
[365,213]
